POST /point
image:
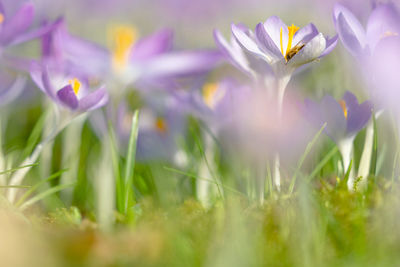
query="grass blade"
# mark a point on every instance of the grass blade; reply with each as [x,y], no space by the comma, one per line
[130,162]
[17,168]
[310,145]
[37,185]
[45,194]
[322,163]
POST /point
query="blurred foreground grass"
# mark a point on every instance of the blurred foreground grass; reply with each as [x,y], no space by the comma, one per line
[321,225]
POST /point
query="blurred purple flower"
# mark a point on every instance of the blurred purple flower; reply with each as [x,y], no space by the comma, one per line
[344,118]
[275,47]
[162,125]
[383,22]
[68,91]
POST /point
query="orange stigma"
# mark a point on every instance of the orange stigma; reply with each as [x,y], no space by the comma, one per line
[161,125]
[123,38]
[344,107]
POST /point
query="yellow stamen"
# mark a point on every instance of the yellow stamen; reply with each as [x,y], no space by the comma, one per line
[123,37]
[282,42]
[1,18]
[292,30]
[76,85]
[161,125]
[344,107]
[209,91]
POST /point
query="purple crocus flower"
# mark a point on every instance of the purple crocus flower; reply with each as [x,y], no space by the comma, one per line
[69,91]
[275,47]
[383,22]
[344,119]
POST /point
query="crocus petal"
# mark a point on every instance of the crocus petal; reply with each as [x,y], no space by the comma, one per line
[359,117]
[305,34]
[233,53]
[349,29]
[181,64]
[67,96]
[41,31]
[266,43]
[310,52]
[273,25]
[330,45]
[94,100]
[10,93]
[333,115]
[249,44]
[150,46]
[351,20]
[384,20]
[17,24]
[351,101]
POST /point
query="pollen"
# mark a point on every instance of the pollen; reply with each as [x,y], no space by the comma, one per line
[209,91]
[1,18]
[161,125]
[76,85]
[389,34]
[344,107]
[123,38]
[292,31]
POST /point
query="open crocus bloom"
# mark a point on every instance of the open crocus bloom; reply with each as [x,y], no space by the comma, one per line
[283,48]
[383,22]
[152,58]
[67,91]
[344,118]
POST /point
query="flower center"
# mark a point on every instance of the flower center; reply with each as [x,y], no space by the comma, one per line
[76,85]
[389,34]
[344,107]
[290,52]
[1,18]
[123,37]
[209,91]
[161,125]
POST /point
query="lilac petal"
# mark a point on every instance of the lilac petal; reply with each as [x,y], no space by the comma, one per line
[41,31]
[349,29]
[233,53]
[333,115]
[181,63]
[86,56]
[351,101]
[348,37]
[273,26]
[94,100]
[383,20]
[310,52]
[358,118]
[305,34]
[249,44]
[68,97]
[17,24]
[330,45]
[47,85]
[266,43]
[158,43]
[353,23]
[13,90]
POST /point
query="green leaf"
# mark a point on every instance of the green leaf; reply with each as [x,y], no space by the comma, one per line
[322,163]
